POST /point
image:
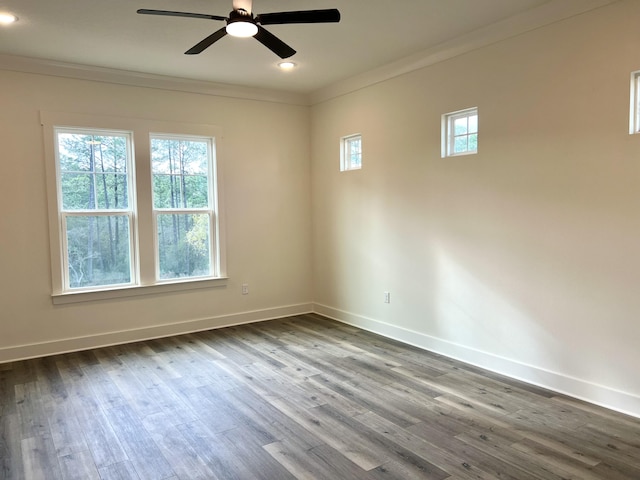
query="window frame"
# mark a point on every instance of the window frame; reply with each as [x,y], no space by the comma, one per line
[210,210]
[448,134]
[345,152]
[64,214]
[144,280]
[634,103]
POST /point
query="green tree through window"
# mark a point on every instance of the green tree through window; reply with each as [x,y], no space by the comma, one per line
[96,196]
[94,187]
[181,200]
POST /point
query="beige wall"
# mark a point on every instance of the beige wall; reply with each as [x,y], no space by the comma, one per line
[524,258]
[264,154]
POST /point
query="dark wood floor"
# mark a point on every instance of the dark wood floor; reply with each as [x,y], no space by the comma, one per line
[303,397]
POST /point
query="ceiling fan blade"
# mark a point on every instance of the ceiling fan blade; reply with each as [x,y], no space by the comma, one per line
[242,5]
[207,42]
[305,16]
[273,43]
[169,13]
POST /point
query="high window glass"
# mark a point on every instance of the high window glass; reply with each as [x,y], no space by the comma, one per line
[634,111]
[460,133]
[351,152]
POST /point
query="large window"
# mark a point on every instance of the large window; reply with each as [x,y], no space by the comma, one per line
[460,133]
[131,208]
[182,205]
[96,213]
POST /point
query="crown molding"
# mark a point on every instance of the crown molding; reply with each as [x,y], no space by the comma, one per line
[552,12]
[138,79]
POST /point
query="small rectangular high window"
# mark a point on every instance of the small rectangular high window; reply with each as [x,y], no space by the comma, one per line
[460,133]
[634,111]
[351,152]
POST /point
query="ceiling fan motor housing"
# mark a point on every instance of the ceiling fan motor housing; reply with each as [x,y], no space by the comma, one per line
[240,15]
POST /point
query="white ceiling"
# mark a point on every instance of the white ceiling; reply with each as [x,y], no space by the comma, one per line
[371,34]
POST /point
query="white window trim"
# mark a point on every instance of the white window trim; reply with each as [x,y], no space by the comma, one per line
[144,242]
[447,132]
[634,103]
[345,164]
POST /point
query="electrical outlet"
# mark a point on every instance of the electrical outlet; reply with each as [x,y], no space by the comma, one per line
[387,297]
[245,289]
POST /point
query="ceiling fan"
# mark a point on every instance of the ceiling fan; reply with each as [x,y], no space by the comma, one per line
[242,23]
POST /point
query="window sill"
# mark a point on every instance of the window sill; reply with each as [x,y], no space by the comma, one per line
[461,154]
[137,290]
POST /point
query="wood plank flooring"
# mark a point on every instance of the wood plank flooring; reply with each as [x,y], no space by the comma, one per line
[296,398]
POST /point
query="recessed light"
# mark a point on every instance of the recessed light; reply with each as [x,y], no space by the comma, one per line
[7,18]
[287,65]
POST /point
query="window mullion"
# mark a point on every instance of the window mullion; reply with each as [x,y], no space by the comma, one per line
[145,238]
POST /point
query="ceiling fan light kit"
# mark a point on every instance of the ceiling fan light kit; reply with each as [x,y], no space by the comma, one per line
[242,23]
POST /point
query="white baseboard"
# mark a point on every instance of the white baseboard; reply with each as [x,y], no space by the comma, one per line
[43,349]
[601,395]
